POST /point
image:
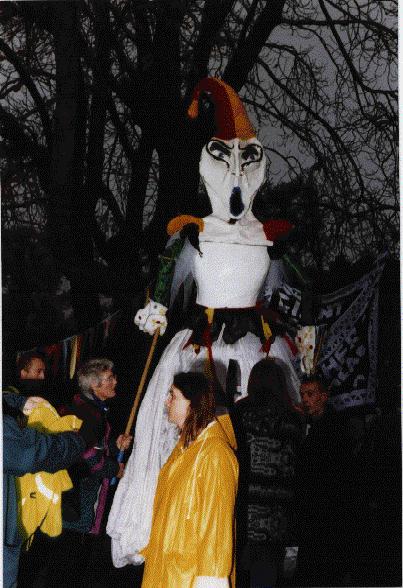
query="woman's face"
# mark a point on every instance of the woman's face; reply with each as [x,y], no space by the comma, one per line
[177,406]
[105,388]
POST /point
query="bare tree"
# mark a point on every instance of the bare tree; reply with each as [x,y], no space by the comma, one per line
[98,148]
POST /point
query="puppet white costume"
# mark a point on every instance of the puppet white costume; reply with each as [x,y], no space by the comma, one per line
[230,270]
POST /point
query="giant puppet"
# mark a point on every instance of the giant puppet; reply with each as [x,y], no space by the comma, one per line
[228,255]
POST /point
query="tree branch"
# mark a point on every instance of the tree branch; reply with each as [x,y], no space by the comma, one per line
[33,90]
[247,52]
[354,73]
[20,144]
[214,14]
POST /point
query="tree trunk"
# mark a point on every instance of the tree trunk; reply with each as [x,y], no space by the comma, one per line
[68,235]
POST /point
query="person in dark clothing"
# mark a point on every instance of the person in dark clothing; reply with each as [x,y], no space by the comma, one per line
[377,517]
[268,433]
[97,386]
[26,450]
[323,498]
[85,507]
[31,377]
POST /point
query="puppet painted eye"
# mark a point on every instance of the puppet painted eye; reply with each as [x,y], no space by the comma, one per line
[219,151]
[252,153]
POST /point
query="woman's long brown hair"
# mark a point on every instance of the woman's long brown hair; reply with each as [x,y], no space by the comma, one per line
[196,388]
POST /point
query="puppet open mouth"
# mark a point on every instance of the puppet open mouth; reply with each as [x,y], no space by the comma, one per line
[236,206]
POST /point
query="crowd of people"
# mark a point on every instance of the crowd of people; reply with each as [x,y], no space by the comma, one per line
[245,483]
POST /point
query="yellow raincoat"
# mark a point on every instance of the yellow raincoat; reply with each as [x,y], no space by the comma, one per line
[40,494]
[193,529]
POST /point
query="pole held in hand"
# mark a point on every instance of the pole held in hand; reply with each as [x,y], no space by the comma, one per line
[142,382]
[138,395]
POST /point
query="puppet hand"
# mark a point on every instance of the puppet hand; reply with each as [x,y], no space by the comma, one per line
[305,342]
[151,317]
[31,403]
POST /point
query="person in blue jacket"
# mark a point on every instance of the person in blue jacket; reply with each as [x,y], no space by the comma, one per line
[26,450]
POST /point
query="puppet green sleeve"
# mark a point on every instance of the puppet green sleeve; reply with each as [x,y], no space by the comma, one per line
[166,270]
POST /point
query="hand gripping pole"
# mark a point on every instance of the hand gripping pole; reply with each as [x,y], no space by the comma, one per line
[138,396]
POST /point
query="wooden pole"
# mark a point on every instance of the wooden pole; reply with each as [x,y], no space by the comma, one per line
[142,382]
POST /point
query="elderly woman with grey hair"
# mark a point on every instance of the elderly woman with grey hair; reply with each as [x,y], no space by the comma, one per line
[97,382]
[75,557]
[79,555]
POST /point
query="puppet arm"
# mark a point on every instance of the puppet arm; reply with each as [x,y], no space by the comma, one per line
[153,315]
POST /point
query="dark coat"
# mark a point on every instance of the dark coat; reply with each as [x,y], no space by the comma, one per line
[377,516]
[97,466]
[26,450]
[323,473]
[325,500]
[267,440]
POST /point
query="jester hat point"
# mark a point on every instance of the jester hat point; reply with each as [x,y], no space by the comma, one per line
[231,119]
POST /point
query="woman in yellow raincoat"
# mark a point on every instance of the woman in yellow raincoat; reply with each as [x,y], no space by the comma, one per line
[192,536]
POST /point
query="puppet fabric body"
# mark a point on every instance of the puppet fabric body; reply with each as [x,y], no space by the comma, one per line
[230,270]
[233,263]
[226,285]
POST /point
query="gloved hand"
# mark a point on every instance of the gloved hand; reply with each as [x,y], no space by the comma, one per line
[87,432]
[151,317]
[31,403]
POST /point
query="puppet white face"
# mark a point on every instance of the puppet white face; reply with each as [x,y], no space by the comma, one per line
[232,172]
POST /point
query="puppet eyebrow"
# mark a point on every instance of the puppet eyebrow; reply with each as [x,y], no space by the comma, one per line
[220,146]
[251,149]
